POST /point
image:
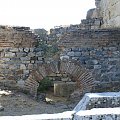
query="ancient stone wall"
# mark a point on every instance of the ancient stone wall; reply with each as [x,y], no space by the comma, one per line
[110,12]
[98,51]
[83,77]
[18,54]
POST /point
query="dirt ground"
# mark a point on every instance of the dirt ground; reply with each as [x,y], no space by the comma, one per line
[17,103]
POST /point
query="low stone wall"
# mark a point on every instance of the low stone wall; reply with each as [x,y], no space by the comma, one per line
[98,106]
[95,114]
[98,100]
[99,114]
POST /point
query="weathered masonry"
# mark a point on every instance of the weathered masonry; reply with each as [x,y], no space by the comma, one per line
[83,77]
[98,51]
[22,62]
[18,55]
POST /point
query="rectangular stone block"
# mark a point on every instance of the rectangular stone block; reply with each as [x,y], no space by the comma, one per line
[26,49]
[25,58]
[39,54]
[64,89]
[14,50]
[22,66]
[21,54]
[30,66]
[9,54]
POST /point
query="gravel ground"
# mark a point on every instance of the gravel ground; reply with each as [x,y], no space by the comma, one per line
[20,104]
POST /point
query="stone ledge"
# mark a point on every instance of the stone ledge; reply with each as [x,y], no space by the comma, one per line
[99,113]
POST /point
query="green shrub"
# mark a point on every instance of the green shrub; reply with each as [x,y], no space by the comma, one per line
[45,84]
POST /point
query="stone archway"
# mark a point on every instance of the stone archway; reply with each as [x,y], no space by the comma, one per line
[82,76]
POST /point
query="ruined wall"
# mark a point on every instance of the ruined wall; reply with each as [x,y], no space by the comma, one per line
[99,52]
[110,12]
[83,77]
[18,54]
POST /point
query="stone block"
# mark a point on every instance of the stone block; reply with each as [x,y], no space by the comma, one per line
[1,108]
[34,58]
[97,66]
[21,54]
[64,88]
[37,49]
[9,54]
[4,66]
[25,58]
[14,60]
[75,49]
[75,58]
[38,62]
[40,58]
[26,72]
[7,49]
[32,61]
[31,49]
[31,54]
[5,59]
[92,62]
[39,54]
[14,50]
[26,50]
[25,62]
[21,49]
[11,77]
[77,54]
[71,54]
[85,53]
[19,72]
[22,66]
[30,66]
[13,67]
[1,49]
[112,48]
[65,57]
[21,83]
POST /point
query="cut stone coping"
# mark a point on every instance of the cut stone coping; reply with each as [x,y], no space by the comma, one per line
[68,115]
[99,111]
[105,94]
[85,100]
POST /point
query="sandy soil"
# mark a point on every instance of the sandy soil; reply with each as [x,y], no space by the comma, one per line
[16,103]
